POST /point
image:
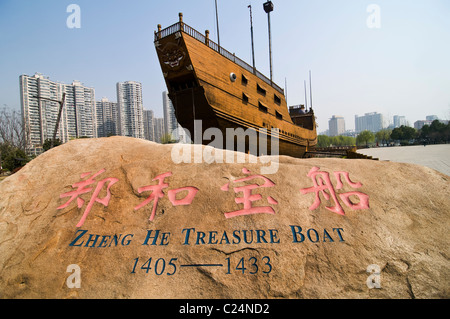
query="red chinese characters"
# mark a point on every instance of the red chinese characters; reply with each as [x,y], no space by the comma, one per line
[81,188]
[157,193]
[247,186]
[322,184]
[248,197]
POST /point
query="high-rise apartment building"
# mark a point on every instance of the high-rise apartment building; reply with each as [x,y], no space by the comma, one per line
[149,130]
[171,125]
[336,126]
[170,120]
[131,110]
[107,118]
[40,110]
[399,121]
[159,129]
[370,121]
[84,104]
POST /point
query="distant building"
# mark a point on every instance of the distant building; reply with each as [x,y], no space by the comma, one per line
[40,113]
[370,121]
[399,121]
[420,123]
[336,125]
[158,129]
[429,120]
[107,118]
[82,99]
[350,133]
[171,125]
[170,120]
[149,130]
[131,110]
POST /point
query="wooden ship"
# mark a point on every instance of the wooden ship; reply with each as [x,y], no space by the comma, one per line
[208,83]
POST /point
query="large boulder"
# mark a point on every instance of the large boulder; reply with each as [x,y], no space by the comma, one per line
[126,218]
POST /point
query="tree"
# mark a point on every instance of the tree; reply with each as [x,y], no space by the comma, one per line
[396,134]
[340,140]
[365,137]
[446,133]
[167,139]
[12,139]
[12,157]
[409,133]
[12,129]
[48,144]
[437,132]
[424,132]
[437,126]
[323,141]
[383,136]
[403,133]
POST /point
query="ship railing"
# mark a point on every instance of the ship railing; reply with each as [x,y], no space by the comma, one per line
[167,31]
[181,26]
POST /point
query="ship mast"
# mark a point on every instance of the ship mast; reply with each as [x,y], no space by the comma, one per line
[217,22]
[251,31]
[268,8]
[306,98]
[310,92]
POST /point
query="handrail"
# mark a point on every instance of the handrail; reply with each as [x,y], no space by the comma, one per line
[181,26]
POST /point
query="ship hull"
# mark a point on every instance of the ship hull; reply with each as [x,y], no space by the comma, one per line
[197,117]
[208,84]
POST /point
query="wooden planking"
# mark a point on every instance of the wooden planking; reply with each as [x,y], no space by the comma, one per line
[214,70]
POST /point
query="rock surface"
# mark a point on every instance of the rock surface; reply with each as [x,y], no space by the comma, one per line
[276,245]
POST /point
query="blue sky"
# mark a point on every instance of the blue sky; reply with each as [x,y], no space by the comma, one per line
[401,68]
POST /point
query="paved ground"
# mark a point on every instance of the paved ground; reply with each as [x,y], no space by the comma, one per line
[433,156]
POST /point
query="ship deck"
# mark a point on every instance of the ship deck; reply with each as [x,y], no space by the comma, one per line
[181,26]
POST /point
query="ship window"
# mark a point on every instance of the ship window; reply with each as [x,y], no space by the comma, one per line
[244,98]
[276,99]
[278,115]
[260,90]
[244,80]
[262,107]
